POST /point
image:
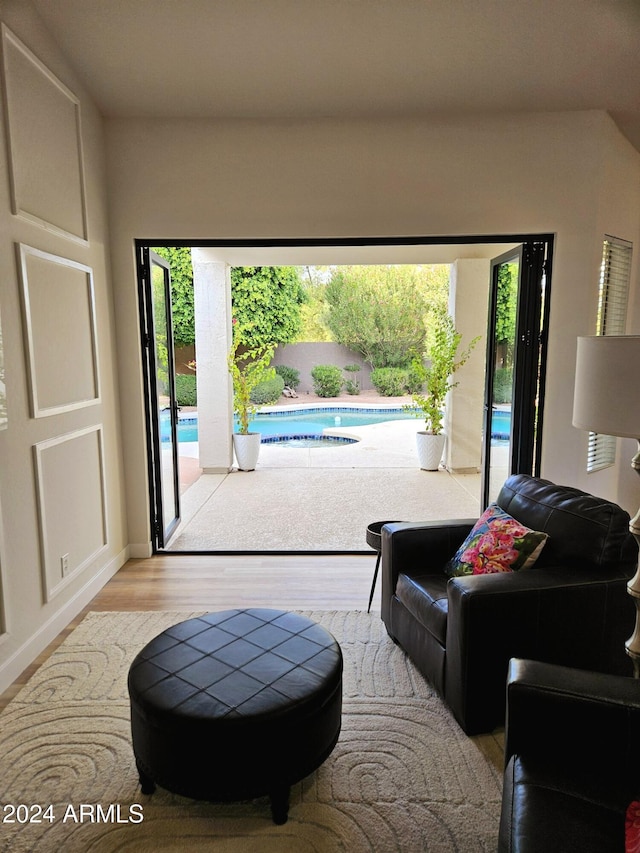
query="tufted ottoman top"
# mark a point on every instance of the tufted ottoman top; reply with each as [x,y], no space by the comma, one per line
[242,664]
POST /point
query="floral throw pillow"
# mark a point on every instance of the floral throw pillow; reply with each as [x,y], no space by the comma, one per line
[632,828]
[497,543]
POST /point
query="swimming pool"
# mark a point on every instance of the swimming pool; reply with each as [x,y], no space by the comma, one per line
[298,422]
[304,423]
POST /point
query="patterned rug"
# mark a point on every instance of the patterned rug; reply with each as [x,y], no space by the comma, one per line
[403,777]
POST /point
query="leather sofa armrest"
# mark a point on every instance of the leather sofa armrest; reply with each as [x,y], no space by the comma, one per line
[530,581]
[421,547]
[557,613]
[574,718]
[417,548]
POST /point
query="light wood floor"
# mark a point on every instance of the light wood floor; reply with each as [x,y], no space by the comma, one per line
[187,583]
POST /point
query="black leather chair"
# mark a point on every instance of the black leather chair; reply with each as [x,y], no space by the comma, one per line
[572,756]
[570,608]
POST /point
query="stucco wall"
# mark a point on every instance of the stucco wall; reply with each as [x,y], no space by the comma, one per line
[305,356]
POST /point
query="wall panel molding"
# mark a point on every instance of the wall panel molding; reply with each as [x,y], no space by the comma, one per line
[72,505]
[44,143]
[59,317]
[3,605]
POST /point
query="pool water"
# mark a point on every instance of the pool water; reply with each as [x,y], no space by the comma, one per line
[314,421]
[302,423]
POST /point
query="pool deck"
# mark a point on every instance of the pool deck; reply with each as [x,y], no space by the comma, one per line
[321,499]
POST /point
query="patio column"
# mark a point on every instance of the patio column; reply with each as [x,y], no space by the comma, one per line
[468,305]
[212,307]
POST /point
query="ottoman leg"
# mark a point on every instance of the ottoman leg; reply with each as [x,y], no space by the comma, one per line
[147,785]
[280,804]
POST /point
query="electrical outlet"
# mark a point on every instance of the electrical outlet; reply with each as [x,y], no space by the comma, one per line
[64,565]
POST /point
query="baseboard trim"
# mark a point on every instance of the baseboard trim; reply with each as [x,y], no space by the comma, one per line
[29,651]
[140,551]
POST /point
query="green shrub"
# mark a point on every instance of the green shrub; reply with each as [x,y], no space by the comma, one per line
[327,380]
[389,381]
[502,385]
[186,389]
[351,385]
[290,375]
[268,391]
[414,383]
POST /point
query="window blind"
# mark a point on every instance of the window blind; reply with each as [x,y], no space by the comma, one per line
[613,293]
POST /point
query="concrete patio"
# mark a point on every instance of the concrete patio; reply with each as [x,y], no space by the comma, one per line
[320,499]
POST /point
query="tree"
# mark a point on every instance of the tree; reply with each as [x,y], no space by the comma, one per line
[506,302]
[314,310]
[379,311]
[266,304]
[179,259]
[443,360]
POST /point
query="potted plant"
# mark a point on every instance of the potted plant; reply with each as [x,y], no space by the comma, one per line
[248,368]
[443,361]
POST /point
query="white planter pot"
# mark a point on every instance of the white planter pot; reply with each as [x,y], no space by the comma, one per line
[247,449]
[430,450]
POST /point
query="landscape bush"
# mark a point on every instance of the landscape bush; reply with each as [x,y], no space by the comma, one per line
[502,385]
[290,375]
[267,392]
[327,380]
[390,381]
[414,382]
[351,384]
[186,394]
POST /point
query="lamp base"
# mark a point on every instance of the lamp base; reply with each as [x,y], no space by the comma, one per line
[633,587]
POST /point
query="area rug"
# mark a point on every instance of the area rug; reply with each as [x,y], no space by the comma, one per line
[403,777]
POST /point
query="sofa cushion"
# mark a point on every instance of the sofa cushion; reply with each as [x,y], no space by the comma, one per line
[541,812]
[425,597]
[496,543]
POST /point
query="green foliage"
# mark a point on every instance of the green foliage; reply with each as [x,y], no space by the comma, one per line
[186,389]
[248,368]
[351,384]
[378,311]
[179,259]
[268,391]
[266,304]
[327,380]
[290,375]
[313,311]
[160,330]
[503,385]
[415,380]
[506,303]
[389,381]
[443,362]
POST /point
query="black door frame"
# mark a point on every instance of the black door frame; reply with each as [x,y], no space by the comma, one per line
[161,532]
[534,263]
[529,452]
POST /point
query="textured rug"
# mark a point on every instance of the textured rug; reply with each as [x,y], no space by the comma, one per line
[403,777]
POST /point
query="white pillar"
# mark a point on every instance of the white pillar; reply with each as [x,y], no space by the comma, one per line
[468,305]
[212,307]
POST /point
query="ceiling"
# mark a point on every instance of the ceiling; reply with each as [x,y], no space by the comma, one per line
[353,58]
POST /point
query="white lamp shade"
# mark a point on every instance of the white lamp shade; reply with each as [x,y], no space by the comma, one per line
[607,386]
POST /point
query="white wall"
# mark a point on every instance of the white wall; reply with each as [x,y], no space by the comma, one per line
[333,178]
[61,475]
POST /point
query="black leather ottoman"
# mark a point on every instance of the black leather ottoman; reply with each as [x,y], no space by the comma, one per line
[236,705]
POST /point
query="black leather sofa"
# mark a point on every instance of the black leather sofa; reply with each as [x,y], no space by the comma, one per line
[572,751]
[570,608]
